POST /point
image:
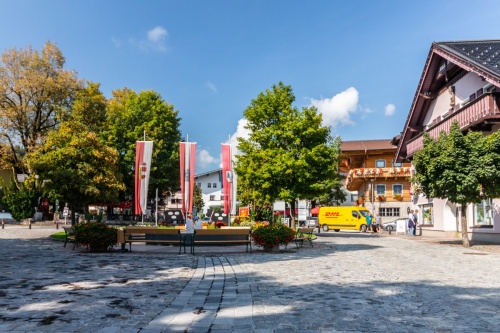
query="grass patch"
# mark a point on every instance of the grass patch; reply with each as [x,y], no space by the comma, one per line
[60,236]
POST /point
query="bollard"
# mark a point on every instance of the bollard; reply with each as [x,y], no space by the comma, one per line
[57,225]
[390,230]
[30,224]
[3,224]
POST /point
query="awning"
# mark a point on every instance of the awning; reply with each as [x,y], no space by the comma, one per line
[315,211]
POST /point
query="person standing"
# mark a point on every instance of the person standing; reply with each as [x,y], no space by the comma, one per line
[378,222]
[411,223]
[368,222]
[415,222]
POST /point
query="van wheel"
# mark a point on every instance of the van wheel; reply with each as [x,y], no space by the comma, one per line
[336,230]
[325,228]
[363,228]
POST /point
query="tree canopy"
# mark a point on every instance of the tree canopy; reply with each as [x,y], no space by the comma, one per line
[75,164]
[36,92]
[129,116]
[289,155]
[463,168]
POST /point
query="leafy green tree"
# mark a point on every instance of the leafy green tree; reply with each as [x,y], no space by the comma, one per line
[89,107]
[131,115]
[198,199]
[20,200]
[36,92]
[75,164]
[289,155]
[463,168]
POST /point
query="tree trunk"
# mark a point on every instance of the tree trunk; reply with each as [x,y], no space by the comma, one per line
[463,219]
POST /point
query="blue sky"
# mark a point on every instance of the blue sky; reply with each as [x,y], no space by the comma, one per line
[359,61]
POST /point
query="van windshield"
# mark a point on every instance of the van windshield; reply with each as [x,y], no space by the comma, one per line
[364,212]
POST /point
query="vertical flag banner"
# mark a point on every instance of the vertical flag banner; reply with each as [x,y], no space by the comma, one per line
[143,153]
[227,177]
[187,152]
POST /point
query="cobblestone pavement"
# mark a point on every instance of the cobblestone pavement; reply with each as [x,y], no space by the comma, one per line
[349,282]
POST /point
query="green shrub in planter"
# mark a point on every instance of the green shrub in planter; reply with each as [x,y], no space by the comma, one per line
[273,234]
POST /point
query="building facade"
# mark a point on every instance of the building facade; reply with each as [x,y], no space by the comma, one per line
[460,81]
[383,186]
[211,188]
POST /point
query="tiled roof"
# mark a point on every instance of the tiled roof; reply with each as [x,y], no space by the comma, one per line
[484,53]
[367,145]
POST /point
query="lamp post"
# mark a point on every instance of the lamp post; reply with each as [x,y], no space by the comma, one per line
[36,208]
[373,200]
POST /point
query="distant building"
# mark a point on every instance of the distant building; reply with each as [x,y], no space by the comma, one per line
[460,81]
[383,186]
[211,188]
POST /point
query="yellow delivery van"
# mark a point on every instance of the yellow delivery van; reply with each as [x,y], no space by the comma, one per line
[343,218]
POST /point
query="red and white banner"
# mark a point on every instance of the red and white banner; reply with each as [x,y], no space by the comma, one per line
[187,151]
[143,153]
[227,177]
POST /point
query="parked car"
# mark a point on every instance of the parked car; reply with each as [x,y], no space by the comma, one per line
[392,225]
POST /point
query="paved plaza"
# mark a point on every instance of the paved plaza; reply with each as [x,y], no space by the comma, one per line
[349,282]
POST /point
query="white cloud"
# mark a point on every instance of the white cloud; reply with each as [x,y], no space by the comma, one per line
[337,110]
[116,42]
[241,132]
[205,159]
[157,35]
[389,109]
[155,40]
[211,86]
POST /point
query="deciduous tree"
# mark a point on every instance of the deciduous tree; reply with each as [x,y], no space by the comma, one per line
[289,155]
[463,168]
[75,164]
[131,115]
[36,92]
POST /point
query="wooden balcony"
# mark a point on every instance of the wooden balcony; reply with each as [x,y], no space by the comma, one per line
[357,177]
[484,110]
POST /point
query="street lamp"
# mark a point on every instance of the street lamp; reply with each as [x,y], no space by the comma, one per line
[373,200]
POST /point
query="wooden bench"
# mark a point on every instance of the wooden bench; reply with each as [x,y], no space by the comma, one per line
[159,236]
[227,236]
[304,235]
[70,236]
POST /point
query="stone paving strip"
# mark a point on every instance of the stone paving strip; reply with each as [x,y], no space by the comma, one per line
[349,282]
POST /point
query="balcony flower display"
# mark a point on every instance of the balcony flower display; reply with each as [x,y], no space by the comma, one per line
[381,198]
[398,197]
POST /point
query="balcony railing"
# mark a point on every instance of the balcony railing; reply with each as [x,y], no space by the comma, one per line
[363,174]
[482,108]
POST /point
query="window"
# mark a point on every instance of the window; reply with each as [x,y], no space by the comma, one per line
[214,185]
[427,215]
[209,185]
[355,214]
[397,165]
[483,213]
[222,197]
[198,185]
[397,189]
[380,164]
[174,201]
[388,211]
[380,189]
[212,197]
[354,197]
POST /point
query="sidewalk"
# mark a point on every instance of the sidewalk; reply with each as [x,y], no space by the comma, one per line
[404,284]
